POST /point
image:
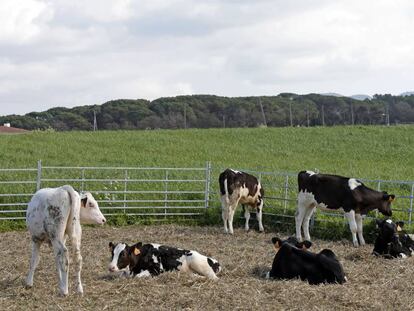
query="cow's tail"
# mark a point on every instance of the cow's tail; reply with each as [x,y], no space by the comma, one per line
[226,191]
[74,201]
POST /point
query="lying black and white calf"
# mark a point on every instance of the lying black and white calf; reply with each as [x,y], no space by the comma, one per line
[140,260]
[392,241]
[293,260]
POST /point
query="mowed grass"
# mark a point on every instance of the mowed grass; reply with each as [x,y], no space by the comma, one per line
[374,152]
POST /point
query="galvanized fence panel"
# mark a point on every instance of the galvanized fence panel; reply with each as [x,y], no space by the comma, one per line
[138,191]
[162,192]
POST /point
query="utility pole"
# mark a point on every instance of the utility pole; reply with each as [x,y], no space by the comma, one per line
[290,111]
[224,121]
[352,113]
[387,115]
[307,115]
[263,114]
[95,124]
[323,115]
[185,116]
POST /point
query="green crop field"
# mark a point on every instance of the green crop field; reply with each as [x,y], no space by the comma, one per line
[371,152]
[374,152]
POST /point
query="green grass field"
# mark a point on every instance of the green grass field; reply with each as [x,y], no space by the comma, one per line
[369,152]
[374,152]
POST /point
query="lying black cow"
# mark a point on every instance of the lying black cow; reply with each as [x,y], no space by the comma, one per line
[293,260]
[392,241]
[141,260]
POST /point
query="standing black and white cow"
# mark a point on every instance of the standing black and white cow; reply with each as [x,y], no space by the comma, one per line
[53,214]
[337,192]
[239,187]
[293,260]
[141,260]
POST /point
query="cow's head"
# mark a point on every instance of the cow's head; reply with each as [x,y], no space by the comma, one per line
[122,255]
[387,229]
[385,204]
[89,210]
[277,243]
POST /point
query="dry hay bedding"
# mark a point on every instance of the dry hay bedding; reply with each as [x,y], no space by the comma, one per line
[373,283]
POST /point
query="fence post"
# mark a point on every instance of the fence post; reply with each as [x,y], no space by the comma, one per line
[379,189]
[411,204]
[207,190]
[39,175]
[166,194]
[125,189]
[286,193]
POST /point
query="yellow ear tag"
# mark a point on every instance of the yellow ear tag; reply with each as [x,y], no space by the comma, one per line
[137,252]
[391,199]
[399,228]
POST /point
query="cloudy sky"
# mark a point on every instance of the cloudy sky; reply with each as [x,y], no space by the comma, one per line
[82,52]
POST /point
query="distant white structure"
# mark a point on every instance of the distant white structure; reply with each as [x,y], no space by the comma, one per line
[7,124]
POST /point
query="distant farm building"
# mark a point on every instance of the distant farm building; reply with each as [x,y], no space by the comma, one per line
[7,129]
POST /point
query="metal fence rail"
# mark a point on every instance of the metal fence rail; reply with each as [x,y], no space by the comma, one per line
[169,191]
[138,191]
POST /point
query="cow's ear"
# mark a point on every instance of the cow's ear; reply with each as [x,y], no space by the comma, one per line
[136,250]
[391,198]
[306,244]
[400,225]
[277,243]
[111,246]
[378,223]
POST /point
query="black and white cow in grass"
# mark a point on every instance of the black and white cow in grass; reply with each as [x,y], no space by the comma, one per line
[141,260]
[337,192]
[293,260]
[239,187]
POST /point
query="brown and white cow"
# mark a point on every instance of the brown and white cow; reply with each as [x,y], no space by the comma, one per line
[337,192]
[239,187]
[53,214]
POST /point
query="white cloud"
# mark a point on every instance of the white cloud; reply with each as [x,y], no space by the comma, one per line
[73,52]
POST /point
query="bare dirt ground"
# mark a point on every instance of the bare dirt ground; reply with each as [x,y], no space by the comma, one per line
[373,283]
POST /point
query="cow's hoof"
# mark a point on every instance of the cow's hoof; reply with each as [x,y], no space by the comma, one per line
[27,286]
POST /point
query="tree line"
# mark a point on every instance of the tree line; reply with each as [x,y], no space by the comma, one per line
[210,111]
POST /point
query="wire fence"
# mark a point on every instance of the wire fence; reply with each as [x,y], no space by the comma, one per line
[161,192]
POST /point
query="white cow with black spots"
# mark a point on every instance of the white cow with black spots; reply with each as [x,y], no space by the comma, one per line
[53,214]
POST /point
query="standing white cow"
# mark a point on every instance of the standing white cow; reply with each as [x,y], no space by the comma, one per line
[53,214]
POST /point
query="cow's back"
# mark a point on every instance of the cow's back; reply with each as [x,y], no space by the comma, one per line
[236,180]
[47,207]
[331,190]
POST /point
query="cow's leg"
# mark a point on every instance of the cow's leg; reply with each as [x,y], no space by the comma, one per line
[62,264]
[232,210]
[308,214]
[34,261]
[247,217]
[259,214]
[358,218]
[299,216]
[76,244]
[352,226]
[224,212]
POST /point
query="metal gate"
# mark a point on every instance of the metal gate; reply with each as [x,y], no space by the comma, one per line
[138,191]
